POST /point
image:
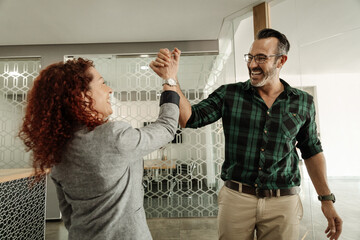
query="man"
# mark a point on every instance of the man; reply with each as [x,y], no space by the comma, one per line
[264,120]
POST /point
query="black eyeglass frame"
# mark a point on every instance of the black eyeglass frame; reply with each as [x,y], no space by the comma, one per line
[256,57]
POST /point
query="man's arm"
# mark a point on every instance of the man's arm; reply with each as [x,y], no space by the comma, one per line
[166,66]
[184,107]
[316,167]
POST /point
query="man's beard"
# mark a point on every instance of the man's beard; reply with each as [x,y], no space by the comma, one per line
[268,75]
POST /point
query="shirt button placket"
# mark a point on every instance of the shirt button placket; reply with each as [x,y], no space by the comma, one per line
[262,149]
[265,138]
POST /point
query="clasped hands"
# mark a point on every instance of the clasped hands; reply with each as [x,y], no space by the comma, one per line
[166,65]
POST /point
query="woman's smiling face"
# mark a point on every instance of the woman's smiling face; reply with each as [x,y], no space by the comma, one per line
[100,94]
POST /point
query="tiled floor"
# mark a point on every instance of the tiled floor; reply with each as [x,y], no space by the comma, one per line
[312,226]
[161,229]
[347,204]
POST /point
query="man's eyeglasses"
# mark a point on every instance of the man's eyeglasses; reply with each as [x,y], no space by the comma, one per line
[260,58]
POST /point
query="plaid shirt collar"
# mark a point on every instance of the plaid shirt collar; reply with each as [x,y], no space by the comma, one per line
[288,90]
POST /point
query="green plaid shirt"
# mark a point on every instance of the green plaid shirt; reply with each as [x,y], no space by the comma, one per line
[260,143]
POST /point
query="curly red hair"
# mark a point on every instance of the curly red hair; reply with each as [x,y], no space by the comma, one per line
[56,108]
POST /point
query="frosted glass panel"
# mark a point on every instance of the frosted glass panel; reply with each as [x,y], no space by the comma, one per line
[16,78]
[181,179]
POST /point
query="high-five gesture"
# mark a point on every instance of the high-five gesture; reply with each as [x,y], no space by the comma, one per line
[166,64]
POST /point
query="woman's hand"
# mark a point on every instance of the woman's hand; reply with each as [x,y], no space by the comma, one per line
[166,65]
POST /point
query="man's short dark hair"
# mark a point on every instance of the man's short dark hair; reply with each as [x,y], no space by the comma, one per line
[283,45]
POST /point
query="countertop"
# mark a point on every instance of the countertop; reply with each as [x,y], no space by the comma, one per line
[15,173]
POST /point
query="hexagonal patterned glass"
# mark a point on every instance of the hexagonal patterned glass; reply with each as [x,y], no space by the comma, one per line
[16,78]
[181,179]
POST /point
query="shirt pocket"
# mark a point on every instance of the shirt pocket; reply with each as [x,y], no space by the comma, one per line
[291,124]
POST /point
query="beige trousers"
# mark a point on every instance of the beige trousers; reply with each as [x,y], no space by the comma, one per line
[240,214]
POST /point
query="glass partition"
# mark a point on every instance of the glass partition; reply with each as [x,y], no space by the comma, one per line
[181,179]
[324,38]
[16,78]
[322,61]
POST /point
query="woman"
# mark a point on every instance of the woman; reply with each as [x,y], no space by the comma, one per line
[96,164]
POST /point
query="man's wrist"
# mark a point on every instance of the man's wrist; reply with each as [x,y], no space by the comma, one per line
[170,81]
[330,197]
[167,77]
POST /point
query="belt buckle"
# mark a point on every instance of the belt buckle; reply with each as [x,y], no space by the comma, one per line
[261,193]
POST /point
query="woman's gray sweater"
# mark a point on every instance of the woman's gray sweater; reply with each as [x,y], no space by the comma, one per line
[99,179]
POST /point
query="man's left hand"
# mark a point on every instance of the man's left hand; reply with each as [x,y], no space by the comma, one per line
[334,227]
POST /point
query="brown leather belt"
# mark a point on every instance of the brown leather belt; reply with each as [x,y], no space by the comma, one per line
[261,193]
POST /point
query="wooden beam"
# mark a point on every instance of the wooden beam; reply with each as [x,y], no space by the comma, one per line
[261,14]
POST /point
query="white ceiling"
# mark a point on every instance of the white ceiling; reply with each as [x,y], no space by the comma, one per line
[94,21]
